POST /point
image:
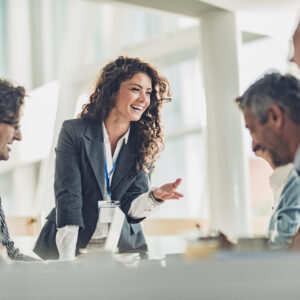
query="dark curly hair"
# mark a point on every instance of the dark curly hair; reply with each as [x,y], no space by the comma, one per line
[11,99]
[148,130]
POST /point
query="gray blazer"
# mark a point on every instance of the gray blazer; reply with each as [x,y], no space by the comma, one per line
[80,184]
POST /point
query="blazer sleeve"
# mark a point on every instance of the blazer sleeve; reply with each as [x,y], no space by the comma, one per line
[67,185]
[140,186]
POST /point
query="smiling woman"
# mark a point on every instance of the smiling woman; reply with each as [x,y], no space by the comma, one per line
[133,98]
[103,160]
[131,101]
[130,78]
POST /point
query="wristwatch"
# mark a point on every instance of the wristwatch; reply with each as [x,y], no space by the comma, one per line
[155,199]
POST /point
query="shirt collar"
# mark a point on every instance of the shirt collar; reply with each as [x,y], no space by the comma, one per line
[280,175]
[124,137]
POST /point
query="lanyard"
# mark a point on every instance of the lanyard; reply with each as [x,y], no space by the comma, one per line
[108,175]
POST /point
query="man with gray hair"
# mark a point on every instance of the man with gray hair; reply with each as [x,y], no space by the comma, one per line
[271,108]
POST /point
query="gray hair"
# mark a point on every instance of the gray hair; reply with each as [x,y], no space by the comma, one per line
[273,88]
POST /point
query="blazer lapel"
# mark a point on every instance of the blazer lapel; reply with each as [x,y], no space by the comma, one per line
[94,145]
[126,159]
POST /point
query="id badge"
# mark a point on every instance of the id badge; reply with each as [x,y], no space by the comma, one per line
[107,209]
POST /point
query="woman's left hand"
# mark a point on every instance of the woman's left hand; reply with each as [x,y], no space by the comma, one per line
[168,191]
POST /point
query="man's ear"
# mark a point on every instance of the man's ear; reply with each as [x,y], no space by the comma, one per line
[276,115]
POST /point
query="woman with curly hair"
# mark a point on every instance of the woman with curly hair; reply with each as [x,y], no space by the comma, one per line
[104,159]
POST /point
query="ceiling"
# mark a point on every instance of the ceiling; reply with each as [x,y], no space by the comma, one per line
[262,6]
[275,18]
[194,8]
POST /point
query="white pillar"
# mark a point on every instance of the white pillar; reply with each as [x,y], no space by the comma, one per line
[19,48]
[226,165]
[80,21]
[48,40]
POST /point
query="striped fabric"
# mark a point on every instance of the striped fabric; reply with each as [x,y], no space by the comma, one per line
[5,240]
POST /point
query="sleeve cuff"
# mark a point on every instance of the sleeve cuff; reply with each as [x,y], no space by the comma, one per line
[154,200]
[66,238]
[67,256]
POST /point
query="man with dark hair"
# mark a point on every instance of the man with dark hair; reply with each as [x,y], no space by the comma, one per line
[271,108]
[11,105]
[11,110]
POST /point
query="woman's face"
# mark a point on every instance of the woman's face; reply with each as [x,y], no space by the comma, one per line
[133,98]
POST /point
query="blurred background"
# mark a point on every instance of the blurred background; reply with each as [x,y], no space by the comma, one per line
[210,51]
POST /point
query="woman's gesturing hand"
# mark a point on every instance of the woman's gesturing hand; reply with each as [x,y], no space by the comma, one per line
[168,191]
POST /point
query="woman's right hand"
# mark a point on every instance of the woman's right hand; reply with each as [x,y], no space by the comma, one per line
[168,191]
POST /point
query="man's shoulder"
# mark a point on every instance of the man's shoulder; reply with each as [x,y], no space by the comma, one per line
[293,180]
[291,191]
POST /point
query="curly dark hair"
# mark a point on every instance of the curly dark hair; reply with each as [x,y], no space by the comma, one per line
[148,130]
[11,99]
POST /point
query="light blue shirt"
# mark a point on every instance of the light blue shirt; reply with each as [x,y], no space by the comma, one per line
[286,217]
